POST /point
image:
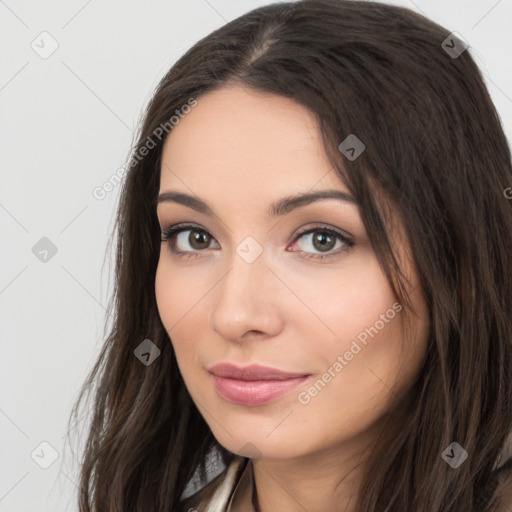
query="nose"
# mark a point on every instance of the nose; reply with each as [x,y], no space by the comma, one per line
[249,299]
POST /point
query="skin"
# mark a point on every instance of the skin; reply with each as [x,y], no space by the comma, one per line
[239,151]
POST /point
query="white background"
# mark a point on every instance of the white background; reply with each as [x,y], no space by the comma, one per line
[66,127]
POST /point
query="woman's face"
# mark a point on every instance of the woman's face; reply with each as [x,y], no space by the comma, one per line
[250,288]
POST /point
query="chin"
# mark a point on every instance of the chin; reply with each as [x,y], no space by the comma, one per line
[259,446]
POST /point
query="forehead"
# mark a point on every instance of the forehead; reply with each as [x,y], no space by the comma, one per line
[239,137]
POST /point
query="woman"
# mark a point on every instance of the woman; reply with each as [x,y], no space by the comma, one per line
[313,277]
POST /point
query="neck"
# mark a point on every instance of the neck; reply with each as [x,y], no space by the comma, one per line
[325,480]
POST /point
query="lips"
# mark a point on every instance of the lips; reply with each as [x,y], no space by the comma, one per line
[253,385]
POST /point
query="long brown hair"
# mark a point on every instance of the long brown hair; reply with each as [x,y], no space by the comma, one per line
[435,148]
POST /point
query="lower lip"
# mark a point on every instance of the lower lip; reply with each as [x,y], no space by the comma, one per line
[254,392]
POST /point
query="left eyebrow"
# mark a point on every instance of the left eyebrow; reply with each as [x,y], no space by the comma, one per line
[277,209]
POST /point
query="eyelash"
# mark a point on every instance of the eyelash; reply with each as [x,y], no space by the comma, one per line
[170,234]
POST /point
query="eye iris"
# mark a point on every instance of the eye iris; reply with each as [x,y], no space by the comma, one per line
[321,237]
[198,236]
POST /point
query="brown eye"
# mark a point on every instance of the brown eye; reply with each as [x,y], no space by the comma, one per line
[323,240]
[196,241]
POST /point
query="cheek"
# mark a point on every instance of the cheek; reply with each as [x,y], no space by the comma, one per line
[368,355]
[177,290]
[346,300]
[180,296]
[357,338]
[174,300]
